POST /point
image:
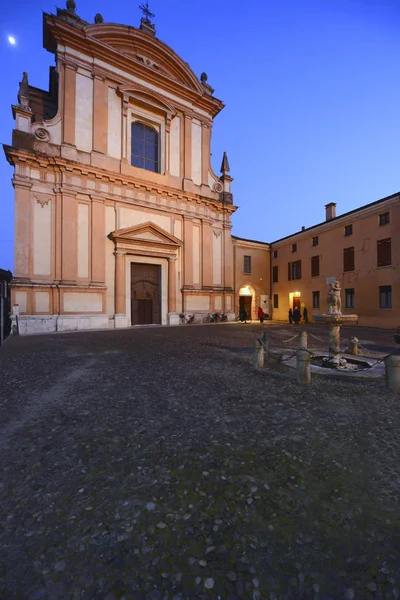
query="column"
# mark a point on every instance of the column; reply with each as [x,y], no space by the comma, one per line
[172,284]
[120,306]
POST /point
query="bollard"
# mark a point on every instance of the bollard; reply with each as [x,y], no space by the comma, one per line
[303,339]
[392,370]
[258,356]
[303,367]
[353,347]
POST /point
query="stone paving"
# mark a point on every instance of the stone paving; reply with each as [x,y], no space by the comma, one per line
[156,463]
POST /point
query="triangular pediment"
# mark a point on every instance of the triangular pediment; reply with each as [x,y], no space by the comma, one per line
[147,233]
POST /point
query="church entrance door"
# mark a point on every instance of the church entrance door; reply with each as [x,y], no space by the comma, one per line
[145,294]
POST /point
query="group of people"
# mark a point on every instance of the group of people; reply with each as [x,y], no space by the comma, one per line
[243,316]
[295,315]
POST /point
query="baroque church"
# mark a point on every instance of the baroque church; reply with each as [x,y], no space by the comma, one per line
[119,217]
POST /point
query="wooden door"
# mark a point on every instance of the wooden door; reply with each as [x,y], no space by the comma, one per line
[145,294]
[245,304]
[296,303]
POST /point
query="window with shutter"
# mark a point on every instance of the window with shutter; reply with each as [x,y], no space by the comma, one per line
[247,265]
[385,296]
[315,299]
[348,259]
[315,266]
[384,252]
[349,298]
[275,274]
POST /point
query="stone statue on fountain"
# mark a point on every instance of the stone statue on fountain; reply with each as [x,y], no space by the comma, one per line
[334,301]
[334,319]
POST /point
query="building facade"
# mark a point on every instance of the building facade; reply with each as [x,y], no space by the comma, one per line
[252,276]
[361,249]
[119,217]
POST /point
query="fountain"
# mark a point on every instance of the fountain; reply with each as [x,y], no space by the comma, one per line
[335,319]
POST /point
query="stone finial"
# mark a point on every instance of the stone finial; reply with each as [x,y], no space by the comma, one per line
[203,78]
[71,5]
[23,92]
[98,19]
[225,164]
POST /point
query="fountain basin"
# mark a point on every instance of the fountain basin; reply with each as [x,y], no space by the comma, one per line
[335,319]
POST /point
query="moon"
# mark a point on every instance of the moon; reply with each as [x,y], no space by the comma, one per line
[12,40]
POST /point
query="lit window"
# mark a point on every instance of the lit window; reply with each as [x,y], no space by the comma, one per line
[384,218]
[315,299]
[384,252]
[385,296]
[348,230]
[349,298]
[247,265]
[144,147]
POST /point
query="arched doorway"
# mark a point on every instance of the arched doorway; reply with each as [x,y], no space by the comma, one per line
[246,300]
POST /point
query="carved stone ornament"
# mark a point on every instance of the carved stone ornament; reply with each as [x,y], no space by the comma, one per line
[218,187]
[334,300]
[42,200]
[71,5]
[42,134]
[98,19]
[23,92]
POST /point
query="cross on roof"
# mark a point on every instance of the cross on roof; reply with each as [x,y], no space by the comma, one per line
[147,14]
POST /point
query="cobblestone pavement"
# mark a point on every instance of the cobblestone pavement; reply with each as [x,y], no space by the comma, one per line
[156,463]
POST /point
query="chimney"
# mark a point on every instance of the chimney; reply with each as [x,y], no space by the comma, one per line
[330,211]
[303,228]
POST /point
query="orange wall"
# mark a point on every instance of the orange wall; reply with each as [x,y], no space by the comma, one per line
[366,277]
[259,279]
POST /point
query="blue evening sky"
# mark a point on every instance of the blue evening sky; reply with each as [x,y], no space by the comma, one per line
[311,90]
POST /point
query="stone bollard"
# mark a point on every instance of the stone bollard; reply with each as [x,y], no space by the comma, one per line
[303,367]
[392,370]
[353,347]
[258,356]
[303,339]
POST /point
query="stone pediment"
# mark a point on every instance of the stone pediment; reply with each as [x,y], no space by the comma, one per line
[147,234]
[146,50]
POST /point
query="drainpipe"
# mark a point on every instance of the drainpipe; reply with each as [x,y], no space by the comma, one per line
[270,279]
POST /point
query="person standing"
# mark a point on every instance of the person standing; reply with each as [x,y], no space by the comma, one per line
[261,314]
[290,316]
[296,315]
[305,314]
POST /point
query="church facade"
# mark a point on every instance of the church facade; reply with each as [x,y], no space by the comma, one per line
[119,217]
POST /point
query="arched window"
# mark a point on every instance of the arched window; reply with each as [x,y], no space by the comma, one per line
[144,147]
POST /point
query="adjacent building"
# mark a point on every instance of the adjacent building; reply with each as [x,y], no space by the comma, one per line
[360,248]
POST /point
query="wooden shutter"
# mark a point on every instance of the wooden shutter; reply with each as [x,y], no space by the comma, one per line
[314,266]
[384,252]
[348,259]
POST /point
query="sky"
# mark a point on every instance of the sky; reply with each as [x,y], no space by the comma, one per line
[311,91]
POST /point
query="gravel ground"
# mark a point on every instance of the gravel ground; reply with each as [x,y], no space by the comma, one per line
[156,463]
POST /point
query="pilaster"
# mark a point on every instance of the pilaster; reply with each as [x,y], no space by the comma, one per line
[69,103]
[100,114]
